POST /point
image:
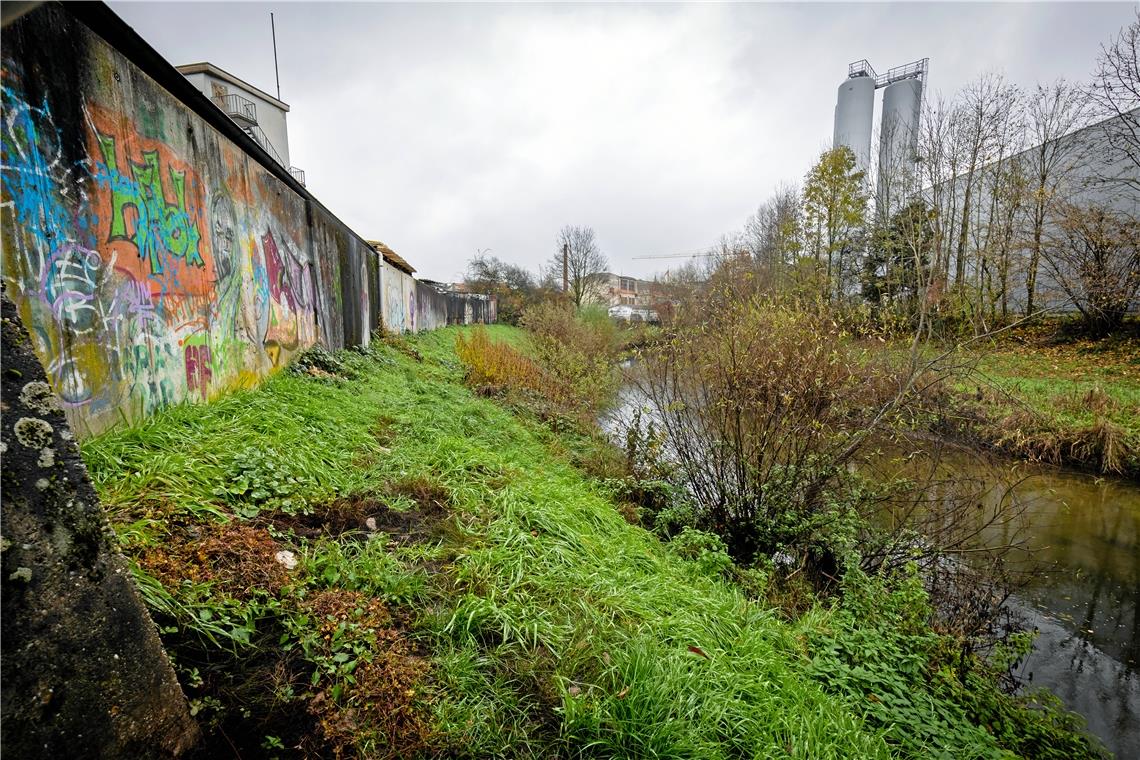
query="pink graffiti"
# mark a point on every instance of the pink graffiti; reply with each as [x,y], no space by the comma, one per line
[198,372]
[285,274]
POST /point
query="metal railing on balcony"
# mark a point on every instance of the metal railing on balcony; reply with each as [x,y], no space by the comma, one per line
[913,70]
[298,174]
[241,110]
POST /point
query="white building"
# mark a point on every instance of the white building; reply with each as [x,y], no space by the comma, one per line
[1084,170]
[262,116]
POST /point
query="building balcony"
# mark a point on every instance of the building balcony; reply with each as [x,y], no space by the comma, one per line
[298,174]
[242,110]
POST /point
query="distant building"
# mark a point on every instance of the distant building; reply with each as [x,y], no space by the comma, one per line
[1088,172]
[258,113]
[634,314]
[619,290]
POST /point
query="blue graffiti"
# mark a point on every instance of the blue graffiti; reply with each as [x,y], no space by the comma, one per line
[35,179]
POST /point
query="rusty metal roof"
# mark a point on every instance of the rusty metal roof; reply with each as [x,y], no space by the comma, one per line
[391,256]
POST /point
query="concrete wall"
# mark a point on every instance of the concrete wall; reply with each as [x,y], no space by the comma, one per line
[85,675]
[152,255]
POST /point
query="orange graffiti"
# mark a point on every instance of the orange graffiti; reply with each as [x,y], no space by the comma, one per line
[150,209]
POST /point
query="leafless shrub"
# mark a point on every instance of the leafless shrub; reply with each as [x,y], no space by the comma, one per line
[1094,254]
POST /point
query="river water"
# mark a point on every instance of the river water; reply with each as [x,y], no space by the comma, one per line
[1085,606]
[1084,598]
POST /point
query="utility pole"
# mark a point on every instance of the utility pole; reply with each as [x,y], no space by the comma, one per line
[565,267]
[276,75]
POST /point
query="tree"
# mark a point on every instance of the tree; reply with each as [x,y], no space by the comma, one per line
[512,285]
[834,209]
[938,169]
[978,127]
[1093,253]
[585,263]
[1053,112]
[899,258]
[1009,191]
[1115,94]
[773,234]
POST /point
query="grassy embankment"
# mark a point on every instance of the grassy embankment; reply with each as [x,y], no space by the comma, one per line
[370,560]
[1073,402]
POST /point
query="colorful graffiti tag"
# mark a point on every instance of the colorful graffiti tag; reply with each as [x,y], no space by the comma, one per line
[153,260]
[109,251]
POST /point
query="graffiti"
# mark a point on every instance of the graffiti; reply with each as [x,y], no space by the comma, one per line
[152,260]
[280,286]
[157,226]
[39,187]
[198,371]
[69,285]
[147,365]
[289,289]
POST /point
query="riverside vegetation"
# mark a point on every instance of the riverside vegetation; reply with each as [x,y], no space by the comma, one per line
[425,548]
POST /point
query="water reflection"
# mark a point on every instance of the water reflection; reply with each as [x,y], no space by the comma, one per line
[1083,591]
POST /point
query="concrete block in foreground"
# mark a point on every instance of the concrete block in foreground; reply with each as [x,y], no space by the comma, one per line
[84,672]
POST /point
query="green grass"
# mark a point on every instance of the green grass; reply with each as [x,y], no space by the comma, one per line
[1056,389]
[550,626]
[1068,403]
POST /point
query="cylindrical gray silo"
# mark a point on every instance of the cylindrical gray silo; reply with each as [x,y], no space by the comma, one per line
[854,117]
[898,133]
[898,136]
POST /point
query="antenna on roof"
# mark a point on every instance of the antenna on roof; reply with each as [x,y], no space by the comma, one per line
[273,29]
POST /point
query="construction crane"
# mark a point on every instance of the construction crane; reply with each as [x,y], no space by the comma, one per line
[691,255]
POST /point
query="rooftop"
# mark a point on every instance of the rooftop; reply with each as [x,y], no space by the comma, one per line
[391,256]
[209,68]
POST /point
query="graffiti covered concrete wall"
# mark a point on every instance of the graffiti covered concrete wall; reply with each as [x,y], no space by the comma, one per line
[399,299]
[152,258]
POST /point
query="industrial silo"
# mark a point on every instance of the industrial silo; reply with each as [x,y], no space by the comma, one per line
[855,113]
[898,135]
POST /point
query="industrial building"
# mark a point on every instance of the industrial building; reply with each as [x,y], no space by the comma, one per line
[898,130]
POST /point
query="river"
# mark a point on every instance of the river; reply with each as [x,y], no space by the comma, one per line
[1084,598]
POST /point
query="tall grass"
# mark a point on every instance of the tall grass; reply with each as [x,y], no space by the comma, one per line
[551,626]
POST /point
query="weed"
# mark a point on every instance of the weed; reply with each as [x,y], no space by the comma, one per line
[320,363]
[258,479]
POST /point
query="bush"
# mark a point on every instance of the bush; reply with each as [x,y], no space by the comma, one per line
[762,407]
[578,353]
[496,367]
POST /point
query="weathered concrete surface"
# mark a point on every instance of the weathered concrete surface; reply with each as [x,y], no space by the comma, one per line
[154,256]
[84,673]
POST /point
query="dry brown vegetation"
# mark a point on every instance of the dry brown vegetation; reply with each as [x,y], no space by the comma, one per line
[236,558]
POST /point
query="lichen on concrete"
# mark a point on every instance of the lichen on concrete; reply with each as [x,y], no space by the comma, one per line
[85,674]
[38,396]
[33,432]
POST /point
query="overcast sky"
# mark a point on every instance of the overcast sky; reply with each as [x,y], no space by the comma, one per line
[442,129]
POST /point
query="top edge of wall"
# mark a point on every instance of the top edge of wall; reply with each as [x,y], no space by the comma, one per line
[104,22]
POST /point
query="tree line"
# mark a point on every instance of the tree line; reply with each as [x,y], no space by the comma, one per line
[1013,200]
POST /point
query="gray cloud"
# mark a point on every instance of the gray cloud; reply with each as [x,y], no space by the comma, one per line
[445,128]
